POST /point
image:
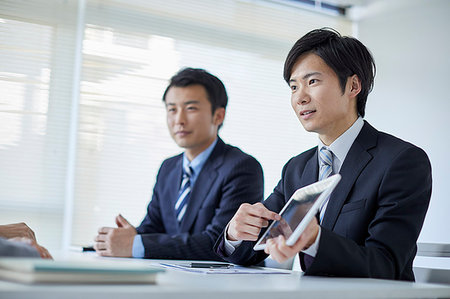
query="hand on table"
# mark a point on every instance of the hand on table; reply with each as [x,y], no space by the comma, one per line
[117,241]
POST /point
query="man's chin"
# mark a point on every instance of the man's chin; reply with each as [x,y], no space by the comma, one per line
[182,143]
[309,128]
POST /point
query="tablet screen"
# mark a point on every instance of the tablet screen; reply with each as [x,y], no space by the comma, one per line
[291,217]
[299,211]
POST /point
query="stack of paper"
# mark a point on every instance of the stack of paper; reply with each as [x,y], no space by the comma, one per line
[37,270]
[235,269]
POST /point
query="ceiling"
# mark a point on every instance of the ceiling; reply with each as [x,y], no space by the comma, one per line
[347,3]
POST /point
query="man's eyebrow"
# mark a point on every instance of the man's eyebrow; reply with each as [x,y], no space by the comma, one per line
[184,104]
[306,76]
[191,102]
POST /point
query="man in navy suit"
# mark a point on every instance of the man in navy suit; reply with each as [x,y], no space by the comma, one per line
[370,223]
[197,192]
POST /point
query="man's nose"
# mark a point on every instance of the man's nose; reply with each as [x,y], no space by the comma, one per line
[180,117]
[303,97]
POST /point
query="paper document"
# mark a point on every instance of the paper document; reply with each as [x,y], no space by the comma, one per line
[229,270]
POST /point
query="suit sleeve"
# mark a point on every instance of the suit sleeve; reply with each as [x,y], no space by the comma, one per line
[16,249]
[242,183]
[152,222]
[402,201]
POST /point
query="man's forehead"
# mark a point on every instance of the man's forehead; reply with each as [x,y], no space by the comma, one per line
[309,65]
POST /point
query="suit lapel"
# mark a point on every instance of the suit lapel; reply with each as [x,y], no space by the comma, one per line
[311,171]
[202,186]
[356,160]
[174,178]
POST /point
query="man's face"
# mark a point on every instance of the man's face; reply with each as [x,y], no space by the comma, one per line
[191,123]
[317,98]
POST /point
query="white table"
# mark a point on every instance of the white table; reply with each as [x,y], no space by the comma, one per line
[179,284]
[432,269]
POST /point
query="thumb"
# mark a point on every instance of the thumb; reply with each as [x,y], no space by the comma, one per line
[122,222]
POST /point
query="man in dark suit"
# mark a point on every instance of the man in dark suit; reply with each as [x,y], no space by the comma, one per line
[370,224]
[197,192]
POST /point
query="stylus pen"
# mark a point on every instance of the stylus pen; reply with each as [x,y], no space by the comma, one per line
[211,265]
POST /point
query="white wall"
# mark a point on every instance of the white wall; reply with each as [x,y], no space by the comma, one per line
[410,41]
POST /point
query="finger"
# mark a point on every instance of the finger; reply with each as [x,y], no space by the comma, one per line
[44,253]
[248,233]
[308,237]
[247,228]
[105,230]
[278,250]
[260,210]
[104,253]
[100,246]
[256,221]
[121,221]
[275,252]
[286,250]
[248,236]
[252,230]
[100,238]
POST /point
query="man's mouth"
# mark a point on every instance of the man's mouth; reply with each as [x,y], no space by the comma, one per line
[182,133]
[306,112]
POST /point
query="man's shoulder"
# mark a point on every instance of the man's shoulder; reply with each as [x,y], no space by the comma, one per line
[230,153]
[172,161]
[386,148]
[234,152]
[390,145]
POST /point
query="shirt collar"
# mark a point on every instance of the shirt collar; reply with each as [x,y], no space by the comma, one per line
[342,144]
[197,163]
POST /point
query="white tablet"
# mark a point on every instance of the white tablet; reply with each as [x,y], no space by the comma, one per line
[299,211]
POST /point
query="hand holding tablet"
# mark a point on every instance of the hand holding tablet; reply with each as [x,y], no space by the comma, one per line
[299,211]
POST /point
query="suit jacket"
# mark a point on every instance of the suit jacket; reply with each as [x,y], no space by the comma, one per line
[374,216]
[228,178]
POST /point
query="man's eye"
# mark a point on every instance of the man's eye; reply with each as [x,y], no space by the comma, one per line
[293,87]
[191,108]
[312,81]
[171,110]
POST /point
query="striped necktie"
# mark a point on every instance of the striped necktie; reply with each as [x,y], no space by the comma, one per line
[326,163]
[184,193]
[326,169]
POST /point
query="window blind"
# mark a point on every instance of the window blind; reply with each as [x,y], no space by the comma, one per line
[129,51]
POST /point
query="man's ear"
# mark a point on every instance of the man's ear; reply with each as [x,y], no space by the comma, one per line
[354,86]
[219,116]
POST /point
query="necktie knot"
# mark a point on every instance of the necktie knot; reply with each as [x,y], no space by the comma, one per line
[187,171]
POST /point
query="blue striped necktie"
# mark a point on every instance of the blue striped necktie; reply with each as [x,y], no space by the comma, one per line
[326,163]
[184,193]
[326,169]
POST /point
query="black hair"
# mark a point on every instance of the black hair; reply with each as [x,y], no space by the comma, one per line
[217,95]
[346,55]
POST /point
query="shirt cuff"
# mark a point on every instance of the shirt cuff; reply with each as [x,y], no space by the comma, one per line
[312,250]
[138,247]
[230,246]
